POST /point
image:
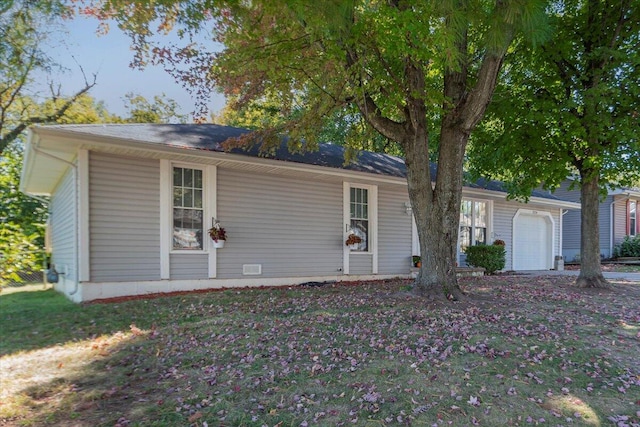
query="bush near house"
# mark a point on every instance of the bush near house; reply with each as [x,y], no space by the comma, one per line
[630,247]
[18,254]
[490,257]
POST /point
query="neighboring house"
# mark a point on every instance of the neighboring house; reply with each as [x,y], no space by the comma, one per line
[130,206]
[618,216]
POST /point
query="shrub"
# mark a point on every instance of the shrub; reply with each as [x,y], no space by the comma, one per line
[490,257]
[18,253]
[630,247]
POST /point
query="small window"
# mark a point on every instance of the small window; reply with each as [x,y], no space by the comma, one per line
[633,217]
[359,206]
[187,209]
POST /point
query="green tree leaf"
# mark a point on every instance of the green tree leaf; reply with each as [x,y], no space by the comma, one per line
[570,108]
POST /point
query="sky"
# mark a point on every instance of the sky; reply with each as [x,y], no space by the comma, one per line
[77,45]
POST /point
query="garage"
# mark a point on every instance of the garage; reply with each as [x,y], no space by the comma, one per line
[532,240]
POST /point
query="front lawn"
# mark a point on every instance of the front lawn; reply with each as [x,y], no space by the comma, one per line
[611,267]
[521,351]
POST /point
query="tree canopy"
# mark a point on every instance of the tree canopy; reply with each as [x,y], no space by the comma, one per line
[160,110]
[411,69]
[23,29]
[346,127]
[571,108]
[23,218]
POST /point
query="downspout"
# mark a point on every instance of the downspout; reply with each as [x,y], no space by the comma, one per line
[76,236]
[563,212]
[38,198]
[612,222]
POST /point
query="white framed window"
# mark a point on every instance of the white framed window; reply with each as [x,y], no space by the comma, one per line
[474,223]
[359,216]
[632,219]
[188,209]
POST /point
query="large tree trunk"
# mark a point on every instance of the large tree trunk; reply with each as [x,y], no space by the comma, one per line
[590,269]
[436,208]
[437,211]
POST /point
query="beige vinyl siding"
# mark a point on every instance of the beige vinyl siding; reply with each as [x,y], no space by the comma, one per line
[570,222]
[361,264]
[64,228]
[292,228]
[394,231]
[189,266]
[620,215]
[124,209]
[604,221]
[503,213]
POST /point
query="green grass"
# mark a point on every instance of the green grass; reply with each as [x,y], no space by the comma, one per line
[620,268]
[520,351]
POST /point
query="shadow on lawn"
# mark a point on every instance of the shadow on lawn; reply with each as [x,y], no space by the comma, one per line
[43,318]
[158,371]
[56,359]
[28,320]
[86,384]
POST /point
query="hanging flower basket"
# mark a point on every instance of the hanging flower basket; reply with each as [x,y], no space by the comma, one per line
[353,242]
[217,234]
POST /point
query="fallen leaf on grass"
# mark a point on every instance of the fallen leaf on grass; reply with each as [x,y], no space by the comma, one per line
[195,417]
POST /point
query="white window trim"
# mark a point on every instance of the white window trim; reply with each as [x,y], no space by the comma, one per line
[165,218]
[205,214]
[209,179]
[373,225]
[490,234]
[415,241]
[210,204]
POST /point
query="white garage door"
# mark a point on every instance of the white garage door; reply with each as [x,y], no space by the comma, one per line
[532,242]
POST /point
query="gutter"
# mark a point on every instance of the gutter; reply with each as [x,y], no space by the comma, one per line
[483,193]
[38,198]
[563,212]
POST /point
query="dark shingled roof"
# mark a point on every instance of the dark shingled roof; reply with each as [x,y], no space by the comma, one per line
[209,137]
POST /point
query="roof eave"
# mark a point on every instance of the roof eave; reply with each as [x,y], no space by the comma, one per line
[563,204]
[50,163]
[75,141]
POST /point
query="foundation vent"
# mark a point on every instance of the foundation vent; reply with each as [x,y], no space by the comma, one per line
[251,269]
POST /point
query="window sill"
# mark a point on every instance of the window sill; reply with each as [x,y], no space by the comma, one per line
[188,251]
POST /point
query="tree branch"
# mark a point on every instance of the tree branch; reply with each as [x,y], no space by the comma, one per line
[369,109]
[57,114]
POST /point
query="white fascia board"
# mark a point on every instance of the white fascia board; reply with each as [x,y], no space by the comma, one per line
[480,193]
[43,167]
[624,192]
[100,143]
[27,162]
